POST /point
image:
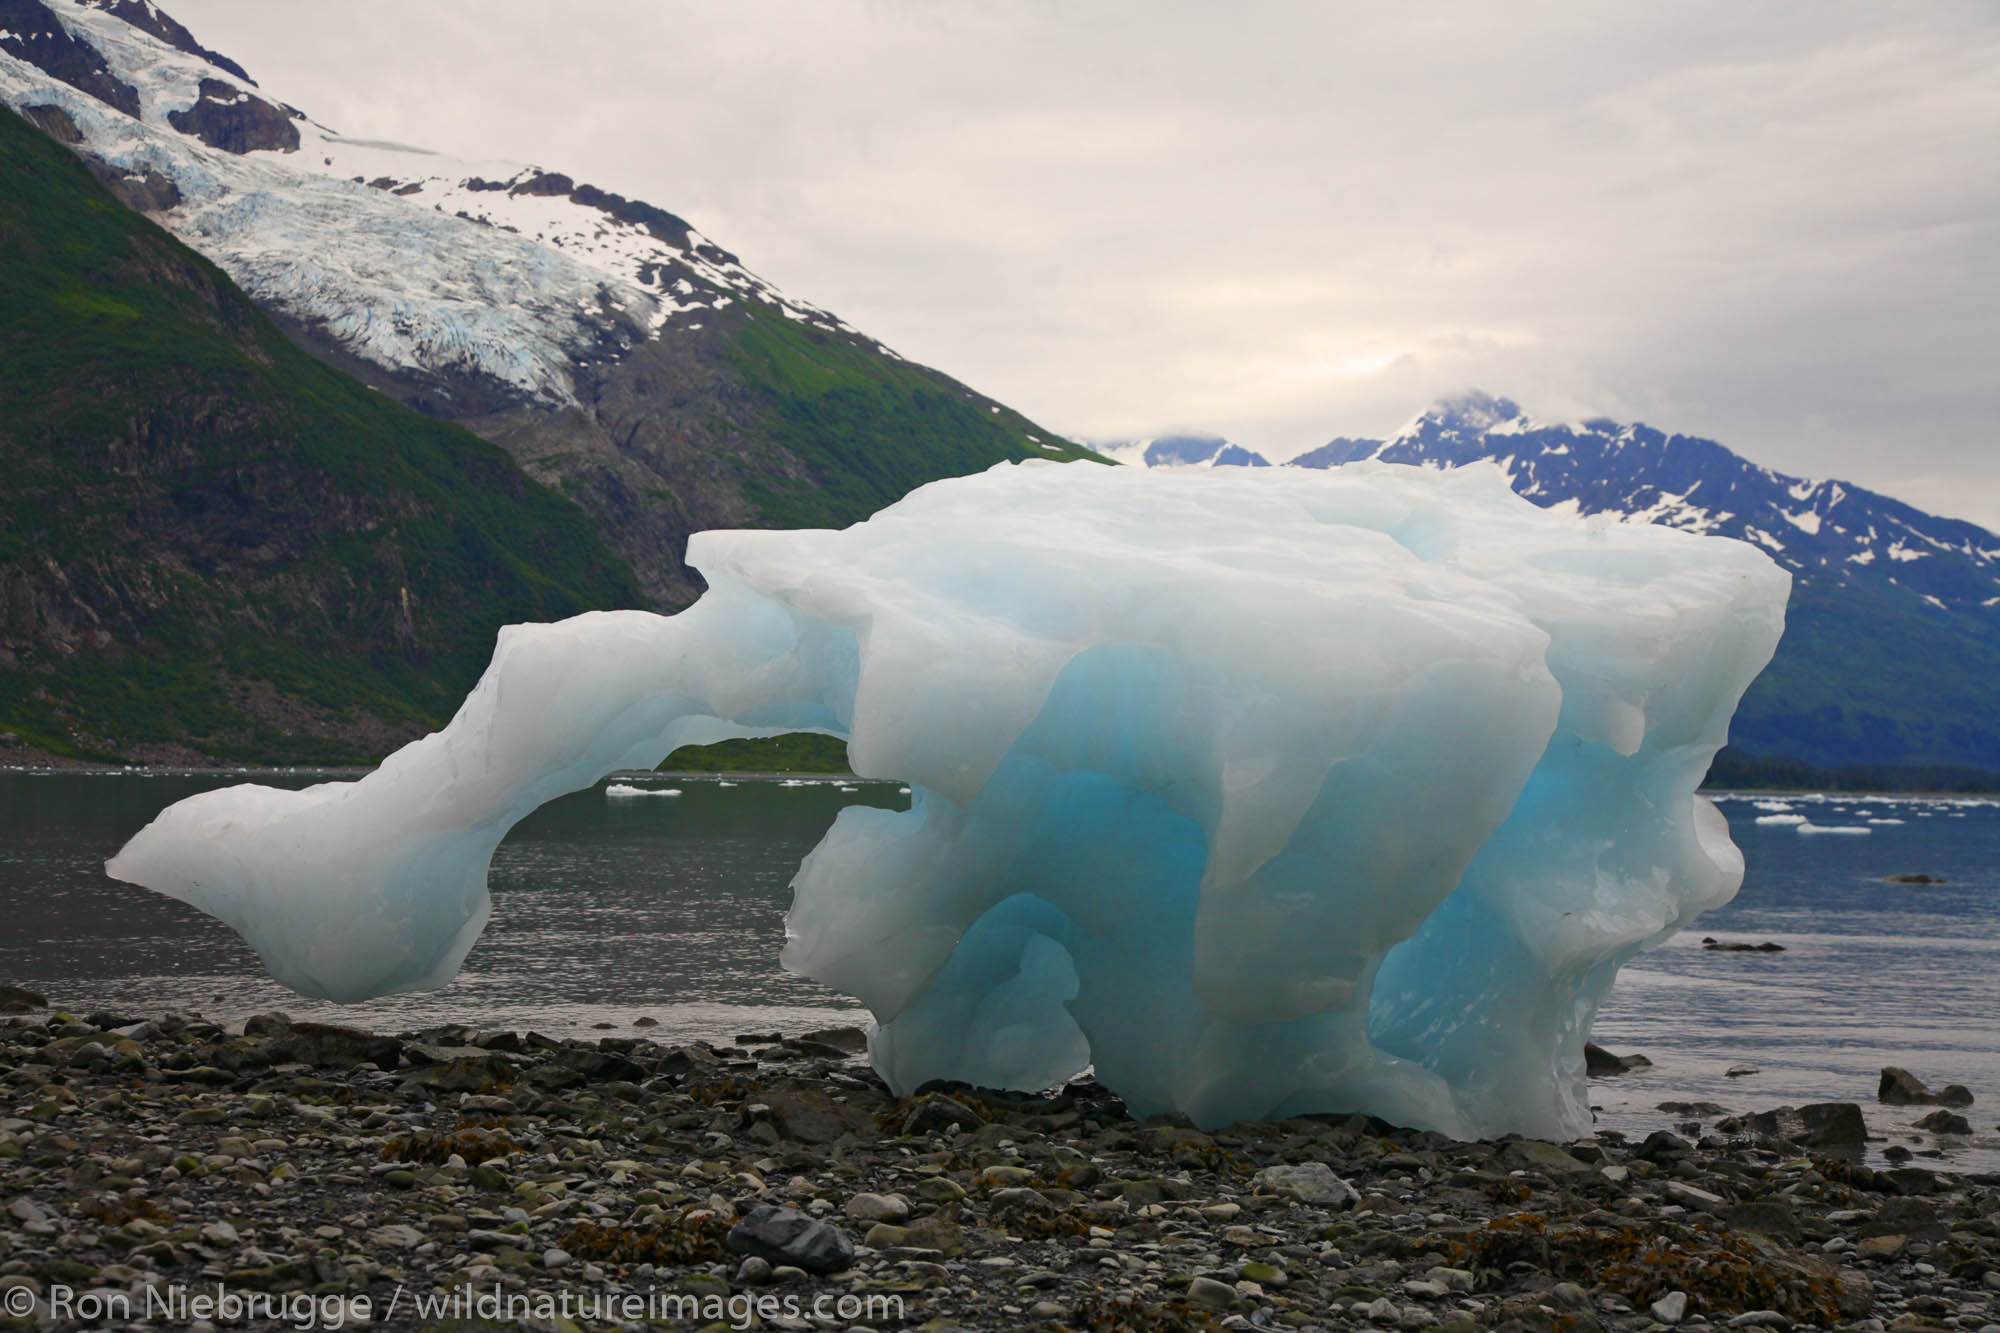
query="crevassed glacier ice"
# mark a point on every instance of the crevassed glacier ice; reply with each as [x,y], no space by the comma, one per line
[1261,793]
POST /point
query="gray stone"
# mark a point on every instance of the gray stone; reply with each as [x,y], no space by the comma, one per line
[1832,1124]
[877,1208]
[849,1040]
[1536,1155]
[883,1235]
[1020,1199]
[1691,1196]
[935,1113]
[1670,1308]
[331,1046]
[274,1024]
[1209,1294]
[1308,1182]
[788,1236]
[1766,1217]
[1899,1087]
[1937,1122]
[1600,1063]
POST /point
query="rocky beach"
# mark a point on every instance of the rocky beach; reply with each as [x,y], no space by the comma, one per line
[168,1171]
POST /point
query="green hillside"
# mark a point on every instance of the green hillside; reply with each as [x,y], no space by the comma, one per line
[1864,677]
[866,428]
[213,545]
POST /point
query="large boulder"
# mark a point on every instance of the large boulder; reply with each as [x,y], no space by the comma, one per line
[788,1236]
[330,1046]
[1899,1087]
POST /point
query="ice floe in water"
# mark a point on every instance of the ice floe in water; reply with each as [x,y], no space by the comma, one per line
[1851,830]
[1781,819]
[618,789]
[1263,794]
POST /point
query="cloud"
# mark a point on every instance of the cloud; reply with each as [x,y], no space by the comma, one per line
[1774,224]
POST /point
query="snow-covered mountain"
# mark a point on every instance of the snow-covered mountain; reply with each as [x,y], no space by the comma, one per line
[618,353]
[1182,451]
[1891,654]
[1824,531]
[368,241]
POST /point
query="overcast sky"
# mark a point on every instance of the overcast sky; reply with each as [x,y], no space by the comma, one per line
[1777,224]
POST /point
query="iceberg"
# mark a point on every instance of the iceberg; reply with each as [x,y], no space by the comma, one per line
[1258,793]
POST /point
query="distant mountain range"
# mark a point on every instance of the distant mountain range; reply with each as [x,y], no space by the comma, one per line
[1891,654]
[1182,451]
[617,353]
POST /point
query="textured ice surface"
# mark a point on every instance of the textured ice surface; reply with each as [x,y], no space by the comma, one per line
[1264,793]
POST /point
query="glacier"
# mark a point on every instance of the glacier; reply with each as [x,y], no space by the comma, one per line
[412,261]
[1257,792]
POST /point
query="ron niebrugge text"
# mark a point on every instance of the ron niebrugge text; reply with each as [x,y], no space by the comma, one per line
[180,1302]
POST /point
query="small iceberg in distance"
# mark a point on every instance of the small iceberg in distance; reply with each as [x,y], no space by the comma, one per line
[619,789]
[1781,819]
[1849,829]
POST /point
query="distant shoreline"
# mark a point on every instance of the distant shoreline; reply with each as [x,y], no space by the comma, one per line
[61,767]
[305,770]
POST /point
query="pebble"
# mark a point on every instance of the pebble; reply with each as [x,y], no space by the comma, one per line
[877,1208]
[617,1163]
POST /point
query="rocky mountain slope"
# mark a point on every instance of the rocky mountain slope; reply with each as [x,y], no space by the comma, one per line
[1891,655]
[211,544]
[618,354]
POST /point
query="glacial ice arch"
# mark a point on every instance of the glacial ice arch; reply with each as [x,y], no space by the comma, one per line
[1263,793]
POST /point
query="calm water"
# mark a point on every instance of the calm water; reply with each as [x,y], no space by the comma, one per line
[1873,973]
[607,909]
[604,910]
